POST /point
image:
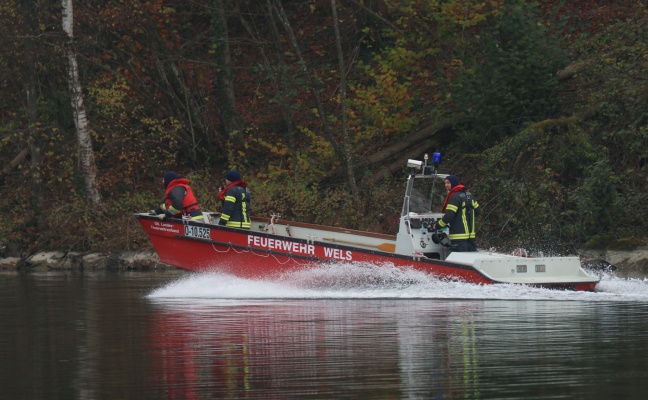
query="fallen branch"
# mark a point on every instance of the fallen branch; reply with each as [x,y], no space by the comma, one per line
[14,163]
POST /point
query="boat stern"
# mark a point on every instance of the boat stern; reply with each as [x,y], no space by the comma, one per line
[550,272]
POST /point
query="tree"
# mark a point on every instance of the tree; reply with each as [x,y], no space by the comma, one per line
[86,152]
[32,112]
[348,155]
[282,83]
[510,75]
[312,87]
[230,120]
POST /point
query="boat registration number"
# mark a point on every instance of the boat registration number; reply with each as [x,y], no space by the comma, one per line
[196,231]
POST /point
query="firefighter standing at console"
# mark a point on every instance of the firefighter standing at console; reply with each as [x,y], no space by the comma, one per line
[460,209]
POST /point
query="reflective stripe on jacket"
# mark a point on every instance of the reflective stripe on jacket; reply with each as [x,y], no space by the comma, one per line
[460,216]
[236,210]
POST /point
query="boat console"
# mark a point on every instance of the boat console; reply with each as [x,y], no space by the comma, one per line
[424,195]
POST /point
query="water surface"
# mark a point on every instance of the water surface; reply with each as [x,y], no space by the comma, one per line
[338,332]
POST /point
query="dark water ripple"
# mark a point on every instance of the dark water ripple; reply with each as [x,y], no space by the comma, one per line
[157,336]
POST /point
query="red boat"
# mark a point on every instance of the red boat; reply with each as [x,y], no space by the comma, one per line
[273,247]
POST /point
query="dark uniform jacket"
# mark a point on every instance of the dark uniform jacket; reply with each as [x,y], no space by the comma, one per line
[460,216]
[236,207]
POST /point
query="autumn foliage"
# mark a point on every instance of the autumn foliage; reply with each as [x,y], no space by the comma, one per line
[538,105]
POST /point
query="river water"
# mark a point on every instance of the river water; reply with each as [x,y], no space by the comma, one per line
[337,332]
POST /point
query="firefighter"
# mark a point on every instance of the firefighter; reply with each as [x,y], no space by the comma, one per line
[235,198]
[180,200]
[459,210]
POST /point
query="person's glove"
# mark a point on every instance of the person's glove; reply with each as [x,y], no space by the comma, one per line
[152,212]
[161,216]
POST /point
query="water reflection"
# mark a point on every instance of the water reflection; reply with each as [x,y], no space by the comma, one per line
[319,336]
[385,349]
[377,349]
[395,337]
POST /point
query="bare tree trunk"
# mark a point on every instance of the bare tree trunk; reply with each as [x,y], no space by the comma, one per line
[311,85]
[280,81]
[343,108]
[282,90]
[32,112]
[86,153]
[182,97]
[229,117]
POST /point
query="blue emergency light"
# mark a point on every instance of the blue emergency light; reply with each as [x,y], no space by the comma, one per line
[436,159]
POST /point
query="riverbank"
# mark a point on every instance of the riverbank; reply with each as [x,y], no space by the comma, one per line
[625,263]
[73,261]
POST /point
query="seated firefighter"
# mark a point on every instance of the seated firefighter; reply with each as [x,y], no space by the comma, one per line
[235,199]
[180,200]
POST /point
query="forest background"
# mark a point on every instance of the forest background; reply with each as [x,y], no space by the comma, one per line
[539,107]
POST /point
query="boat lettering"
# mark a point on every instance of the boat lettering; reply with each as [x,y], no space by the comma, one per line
[164,226]
[278,244]
[197,232]
[345,255]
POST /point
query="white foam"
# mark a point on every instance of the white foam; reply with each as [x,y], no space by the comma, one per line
[357,281]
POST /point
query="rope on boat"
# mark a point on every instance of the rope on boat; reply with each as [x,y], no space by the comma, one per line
[289,256]
[218,251]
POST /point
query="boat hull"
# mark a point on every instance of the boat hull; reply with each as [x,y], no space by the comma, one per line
[264,252]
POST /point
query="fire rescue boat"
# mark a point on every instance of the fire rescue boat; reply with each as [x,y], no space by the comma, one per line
[273,247]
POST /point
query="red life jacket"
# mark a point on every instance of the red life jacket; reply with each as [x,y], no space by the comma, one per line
[189,203]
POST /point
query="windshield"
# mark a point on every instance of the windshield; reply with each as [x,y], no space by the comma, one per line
[427,195]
